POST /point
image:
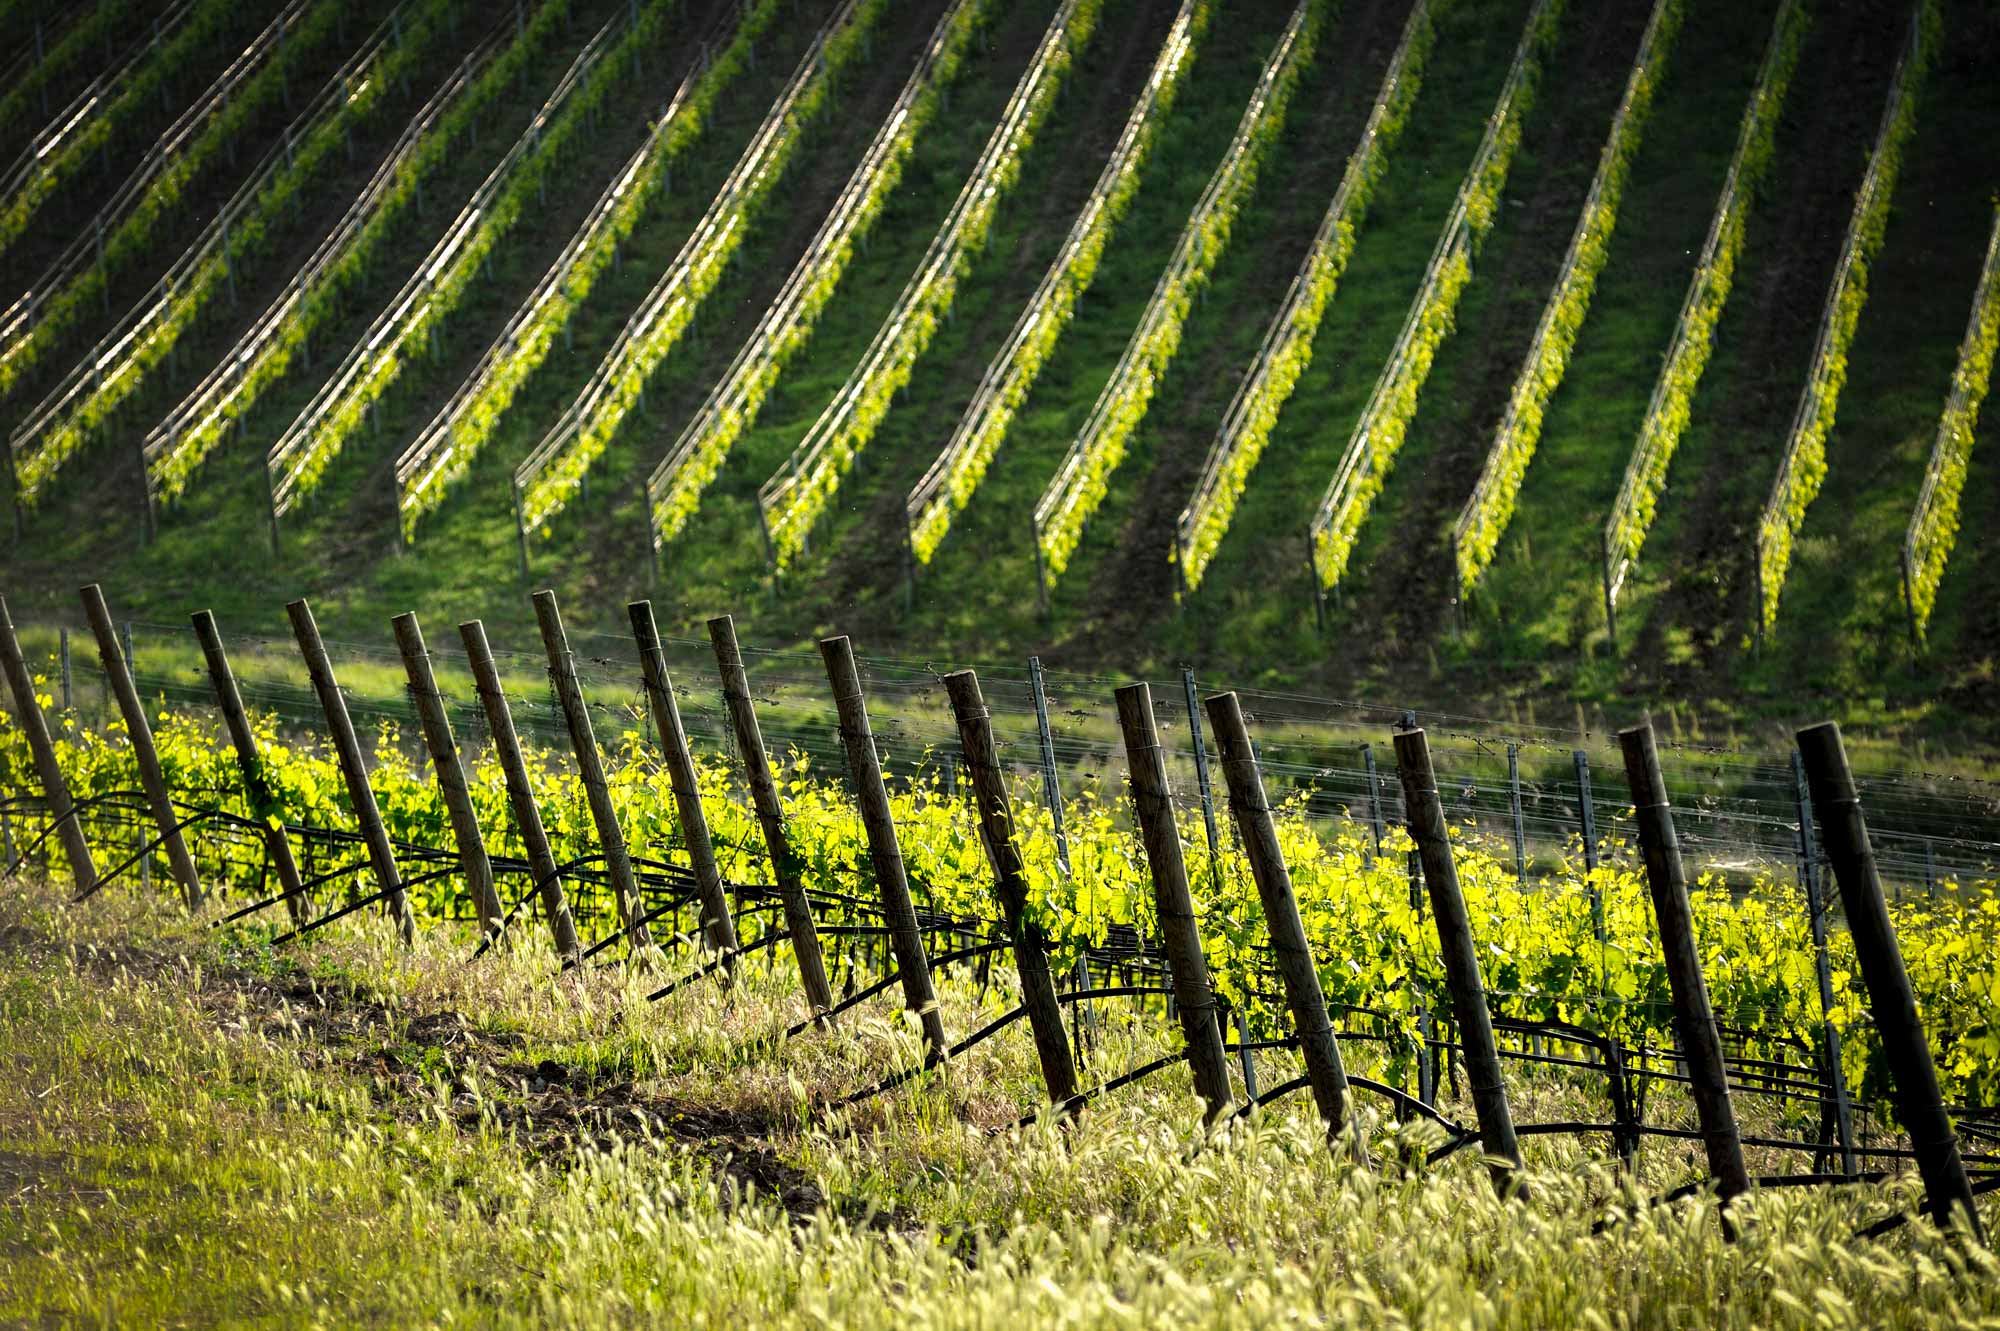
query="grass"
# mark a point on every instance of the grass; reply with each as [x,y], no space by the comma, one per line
[197,1130]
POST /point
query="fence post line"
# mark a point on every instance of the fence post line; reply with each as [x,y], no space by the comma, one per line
[1425,812]
[277,846]
[140,732]
[864,766]
[1174,904]
[520,793]
[756,760]
[1919,1102]
[1823,968]
[347,748]
[1701,1043]
[719,929]
[590,769]
[996,821]
[436,723]
[1290,949]
[54,787]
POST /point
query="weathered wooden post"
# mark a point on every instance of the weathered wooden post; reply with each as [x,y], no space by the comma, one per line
[55,788]
[436,725]
[1919,1102]
[1290,949]
[520,793]
[353,767]
[899,913]
[1425,812]
[1694,1019]
[590,767]
[1174,904]
[785,867]
[719,929]
[256,790]
[140,731]
[996,822]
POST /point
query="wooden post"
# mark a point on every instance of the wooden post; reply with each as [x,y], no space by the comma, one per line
[996,822]
[1172,901]
[1290,949]
[1425,812]
[353,767]
[590,767]
[436,724]
[520,793]
[720,929]
[785,866]
[140,731]
[277,846]
[54,787]
[1701,1043]
[864,765]
[1843,832]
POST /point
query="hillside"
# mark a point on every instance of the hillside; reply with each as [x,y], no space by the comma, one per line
[498,133]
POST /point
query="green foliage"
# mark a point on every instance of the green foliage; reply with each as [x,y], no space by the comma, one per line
[1085,477]
[794,498]
[88,36]
[554,475]
[134,238]
[1803,467]
[1378,434]
[456,264]
[1476,536]
[249,232]
[1288,346]
[1708,291]
[962,464]
[1934,524]
[731,409]
[469,420]
[172,461]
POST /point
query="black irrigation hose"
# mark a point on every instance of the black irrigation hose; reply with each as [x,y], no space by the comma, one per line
[712,967]
[1082,1098]
[990,1029]
[937,963]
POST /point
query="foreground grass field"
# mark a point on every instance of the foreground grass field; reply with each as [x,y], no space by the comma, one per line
[196,1130]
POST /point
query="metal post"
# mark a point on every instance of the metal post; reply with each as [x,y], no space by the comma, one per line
[899,913]
[1823,967]
[1052,799]
[1587,821]
[1290,949]
[720,929]
[785,866]
[1514,802]
[1425,813]
[436,724]
[1913,1076]
[1153,803]
[1694,1019]
[28,709]
[140,731]
[264,806]
[1375,823]
[62,652]
[590,768]
[353,767]
[996,822]
[520,792]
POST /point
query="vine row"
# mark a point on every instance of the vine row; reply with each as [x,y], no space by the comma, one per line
[1802,469]
[1708,290]
[1378,434]
[1475,536]
[673,492]
[1084,478]
[1288,342]
[798,493]
[949,483]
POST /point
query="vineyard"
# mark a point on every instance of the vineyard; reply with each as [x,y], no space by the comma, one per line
[1628,350]
[1466,940]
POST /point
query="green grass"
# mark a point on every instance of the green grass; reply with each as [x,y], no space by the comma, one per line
[195,1130]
